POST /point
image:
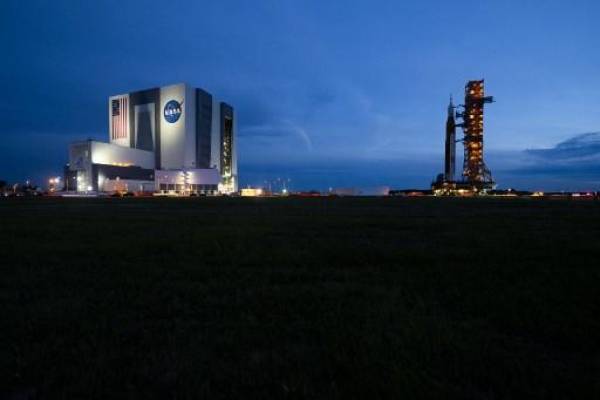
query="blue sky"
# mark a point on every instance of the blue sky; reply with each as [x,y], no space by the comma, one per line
[327,93]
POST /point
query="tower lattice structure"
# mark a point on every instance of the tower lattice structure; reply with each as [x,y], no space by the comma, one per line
[475,171]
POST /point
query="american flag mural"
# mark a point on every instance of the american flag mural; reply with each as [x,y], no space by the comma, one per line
[120,118]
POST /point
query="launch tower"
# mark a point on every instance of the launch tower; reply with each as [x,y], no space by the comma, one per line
[476,176]
[474,170]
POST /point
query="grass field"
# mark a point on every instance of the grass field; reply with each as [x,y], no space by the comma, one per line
[300,298]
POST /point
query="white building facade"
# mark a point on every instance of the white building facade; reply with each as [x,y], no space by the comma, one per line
[172,128]
[188,182]
[185,127]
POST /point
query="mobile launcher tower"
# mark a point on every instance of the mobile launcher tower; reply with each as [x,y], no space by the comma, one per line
[477,178]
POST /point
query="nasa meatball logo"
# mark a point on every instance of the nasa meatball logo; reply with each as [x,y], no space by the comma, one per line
[172,111]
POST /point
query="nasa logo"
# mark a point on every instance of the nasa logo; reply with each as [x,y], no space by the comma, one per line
[172,111]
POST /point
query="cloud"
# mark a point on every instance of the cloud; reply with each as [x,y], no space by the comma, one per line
[281,129]
[582,147]
[573,164]
[322,174]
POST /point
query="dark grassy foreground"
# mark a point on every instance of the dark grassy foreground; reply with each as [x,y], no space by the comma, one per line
[300,298]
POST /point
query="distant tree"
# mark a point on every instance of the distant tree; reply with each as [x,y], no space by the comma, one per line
[2,185]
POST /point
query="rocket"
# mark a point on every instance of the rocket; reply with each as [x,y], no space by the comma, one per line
[450,159]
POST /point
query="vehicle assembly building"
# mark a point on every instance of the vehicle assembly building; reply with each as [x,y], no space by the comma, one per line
[476,177]
[177,133]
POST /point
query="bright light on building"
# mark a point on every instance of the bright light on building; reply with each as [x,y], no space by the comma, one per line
[252,192]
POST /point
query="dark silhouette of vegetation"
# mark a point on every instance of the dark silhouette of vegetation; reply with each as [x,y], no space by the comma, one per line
[256,298]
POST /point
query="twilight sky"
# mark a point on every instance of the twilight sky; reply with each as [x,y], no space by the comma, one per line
[328,93]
